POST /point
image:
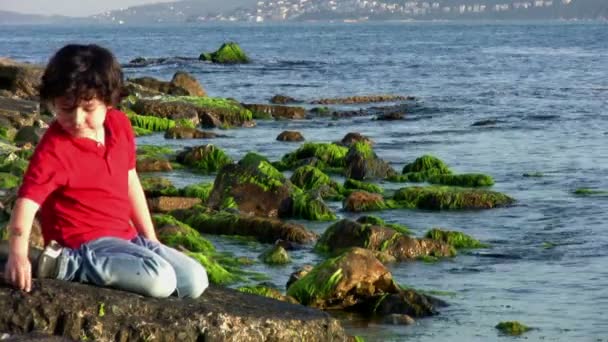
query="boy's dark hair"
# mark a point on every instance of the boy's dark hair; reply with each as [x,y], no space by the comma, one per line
[81,72]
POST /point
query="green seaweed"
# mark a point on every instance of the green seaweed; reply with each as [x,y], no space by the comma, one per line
[360,185]
[512,328]
[456,239]
[590,192]
[252,159]
[331,155]
[9,181]
[429,164]
[185,236]
[377,221]
[275,255]
[228,53]
[263,291]
[205,159]
[318,284]
[442,197]
[310,207]
[467,180]
[200,190]
[217,273]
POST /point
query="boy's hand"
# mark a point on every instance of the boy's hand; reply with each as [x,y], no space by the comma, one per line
[18,272]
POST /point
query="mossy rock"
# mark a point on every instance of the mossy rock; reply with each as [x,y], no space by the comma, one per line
[275,255]
[361,201]
[150,123]
[466,180]
[311,178]
[228,53]
[359,185]
[361,162]
[253,159]
[512,328]
[218,112]
[9,181]
[443,197]
[158,186]
[217,273]
[428,164]
[154,151]
[266,291]
[140,132]
[14,165]
[331,155]
[590,192]
[309,206]
[456,239]
[205,159]
[200,190]
[377,221]
[174,233]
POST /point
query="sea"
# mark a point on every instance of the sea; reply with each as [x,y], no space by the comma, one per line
[540,87]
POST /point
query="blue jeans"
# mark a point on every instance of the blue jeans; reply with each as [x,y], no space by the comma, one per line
[140,265]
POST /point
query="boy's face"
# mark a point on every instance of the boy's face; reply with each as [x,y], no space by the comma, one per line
[81,120]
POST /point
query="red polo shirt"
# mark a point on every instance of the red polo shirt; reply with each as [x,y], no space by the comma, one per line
[82,186]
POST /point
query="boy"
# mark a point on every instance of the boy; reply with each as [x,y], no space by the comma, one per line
[82,178]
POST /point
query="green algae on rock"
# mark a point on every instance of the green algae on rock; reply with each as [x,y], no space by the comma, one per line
[465,180]
[266,291]
[205,158]
[158,186]
[377,221]
[173,232]
[228,53]
[361,162]
[9,181]
[456,239]
[308,206]
[360,201]
[200,190]
[512,328]
[590,192]
[443,197]
[331,155]
[275,255]
[359,185]
[427,164]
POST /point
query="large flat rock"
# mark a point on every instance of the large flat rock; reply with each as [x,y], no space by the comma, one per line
[79,311]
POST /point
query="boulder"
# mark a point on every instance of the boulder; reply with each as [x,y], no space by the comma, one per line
[187,82]
[290,136]
[445,197]
[188,133]
[29,135]
[276,111]
[228,53]
[174,110]
[79,312]
[151,164]
[282,99]
[362,163]
[205,158]
[20,80]
[263,229]
[166,204]
[354,137]
[359,201]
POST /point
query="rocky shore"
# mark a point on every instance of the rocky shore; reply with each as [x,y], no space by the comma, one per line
[251,198]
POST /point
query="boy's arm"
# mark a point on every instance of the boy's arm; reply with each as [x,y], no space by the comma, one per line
[18,269]
[140,214]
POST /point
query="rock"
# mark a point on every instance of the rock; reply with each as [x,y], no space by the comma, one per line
[205,158]
[29,134]
[489,122]
[263,229]
[158,186]
[455,239]
[311,178]
[444,197]
[365,186]
[327,155]
[77,311]
[363,163]
[269,292]
[228,53]
[151,164]
[404,302]
[345,234]
[427,165]
[290,136]
[188,133]
[139,91]
[20,79]
[177,234]
[220,112]
[359,201]
[277,112]
[398,319]
[299,274]
[174,110]
[512,328]
[275,255]
[257,189]
[140,62]
[187,82]
[15,114]
[165,204]
[390,116]
[159,86]
[282,99]
[363,99]
[344,281]
[353,137]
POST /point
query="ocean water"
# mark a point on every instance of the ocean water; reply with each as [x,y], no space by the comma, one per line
[545,85]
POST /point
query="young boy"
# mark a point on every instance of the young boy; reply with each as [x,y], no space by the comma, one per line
[82,178]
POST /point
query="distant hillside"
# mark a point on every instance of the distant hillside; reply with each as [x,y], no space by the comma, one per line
[14,18]
[173,12]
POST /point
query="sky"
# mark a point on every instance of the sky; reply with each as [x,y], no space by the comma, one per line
[69,7]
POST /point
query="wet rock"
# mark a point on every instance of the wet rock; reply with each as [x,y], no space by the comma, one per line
[512,328]
[363,99]
[345,234]
[77,311]
[158,85]
[174,110]
[188,133]
[141,62]
[29,134]
[282,99]
[165,204]
[404,302]
[228,53]
[490,122]
[275,255]
[310,178]
[139,91]
[266,291]
[290,136]
[354,137]
[390,116]
[15,114]
[20,80]
[398,319]
[205,158]
[445,197]
[265,230]
[359,201]
[362,163]
[187,82]
[325,155]
[153,165]
[344,281]
[276,111]
[298,274]
[158,186]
